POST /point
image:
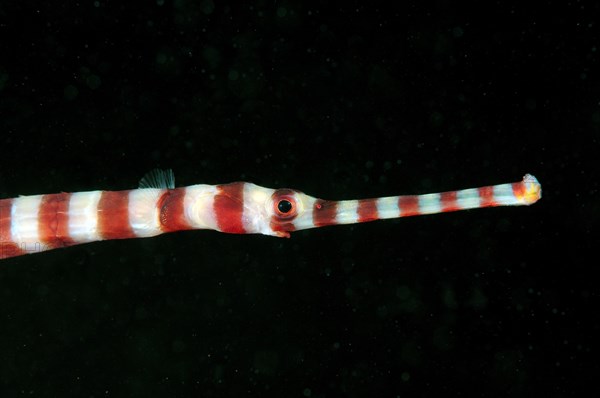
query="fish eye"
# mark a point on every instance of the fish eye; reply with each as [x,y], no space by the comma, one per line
[284,204]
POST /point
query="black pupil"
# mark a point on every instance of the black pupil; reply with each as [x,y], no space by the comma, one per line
[284,206]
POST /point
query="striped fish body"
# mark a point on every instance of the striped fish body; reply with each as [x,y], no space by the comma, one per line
[31,224]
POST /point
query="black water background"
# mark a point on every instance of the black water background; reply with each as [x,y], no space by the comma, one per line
[340,101]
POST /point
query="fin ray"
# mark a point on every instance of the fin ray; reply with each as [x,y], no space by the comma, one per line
[157,178]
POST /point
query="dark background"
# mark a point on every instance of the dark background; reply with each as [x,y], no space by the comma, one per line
[340,101]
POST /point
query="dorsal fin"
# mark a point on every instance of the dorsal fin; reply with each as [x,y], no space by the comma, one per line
[157,178]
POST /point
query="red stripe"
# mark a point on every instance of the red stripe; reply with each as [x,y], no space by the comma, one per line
[518,189]
[409,205]
[53,220]
[367,210]
[172,216]
[229,208]
[448,201]
[8,248]
[324,212]
[486,196]
[113,215]
[282,227]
